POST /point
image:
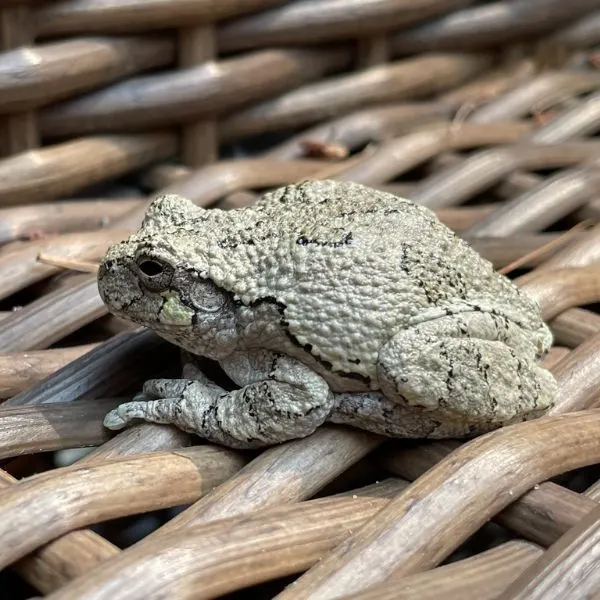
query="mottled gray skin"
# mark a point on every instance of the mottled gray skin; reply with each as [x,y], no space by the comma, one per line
[326,301]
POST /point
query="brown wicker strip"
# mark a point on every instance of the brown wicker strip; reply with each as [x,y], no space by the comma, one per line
[64,499]
[90,16]
[577,374]
[560,289]
[400,155]
[535,210]
[362,127]
[487,168]
[484,577]
[106,370]
[82,553]
[492,24]
[583,33]
[555,355]
[463,218]
[175,97]
[51,318]
[26,430]
[593,491]
[199,140]
[403,80]
[55,171]
[21,267]
[541,515]
[290,539]
[34,77]
[503,251]
[276,476]
[30,222]
[22,370]
[19,132]
[569,568]
[582,252]
[575,326]
[410,542]
[299,22]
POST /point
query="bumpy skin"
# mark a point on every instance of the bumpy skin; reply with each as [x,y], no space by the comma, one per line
[326,301]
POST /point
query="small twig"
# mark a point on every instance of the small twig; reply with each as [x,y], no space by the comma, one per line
[549,106]
[544,117]
[463,113]
[316,148]
[543,249]
[332,170]
[73,264]
[594,59]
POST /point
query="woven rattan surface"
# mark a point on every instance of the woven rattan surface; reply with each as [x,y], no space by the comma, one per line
[486,112]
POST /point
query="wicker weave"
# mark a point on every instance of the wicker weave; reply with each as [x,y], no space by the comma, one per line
[483,111]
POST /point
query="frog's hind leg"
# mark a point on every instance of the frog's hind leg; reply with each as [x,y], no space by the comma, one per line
[474,367]
[373,412]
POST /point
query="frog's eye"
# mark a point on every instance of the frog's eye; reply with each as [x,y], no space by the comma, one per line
[150,268]
[155,274]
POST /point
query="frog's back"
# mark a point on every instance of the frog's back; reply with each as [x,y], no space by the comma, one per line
[382,256]
[376,230]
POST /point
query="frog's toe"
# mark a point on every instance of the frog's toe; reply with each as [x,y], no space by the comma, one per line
[113,420]
[127,412]
[163,388]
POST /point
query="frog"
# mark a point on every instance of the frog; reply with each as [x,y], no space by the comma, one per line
[325,301]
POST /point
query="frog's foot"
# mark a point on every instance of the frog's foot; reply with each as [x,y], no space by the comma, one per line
[459,368]
[155,411]
[163,401]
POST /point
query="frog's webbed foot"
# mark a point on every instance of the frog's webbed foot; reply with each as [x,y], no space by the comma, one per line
[461,367]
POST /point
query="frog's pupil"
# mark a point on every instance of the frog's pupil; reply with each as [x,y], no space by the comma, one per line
[151,268]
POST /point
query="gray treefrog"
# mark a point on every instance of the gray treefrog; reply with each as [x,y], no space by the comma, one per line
[326,301]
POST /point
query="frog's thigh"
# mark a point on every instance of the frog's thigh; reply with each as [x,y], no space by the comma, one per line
[458,366]
[373,412]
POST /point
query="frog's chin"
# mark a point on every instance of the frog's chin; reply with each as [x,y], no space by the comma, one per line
[165,327]
[157,324]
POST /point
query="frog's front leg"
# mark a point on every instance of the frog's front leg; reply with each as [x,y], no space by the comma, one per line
[474,367]
[281,399]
